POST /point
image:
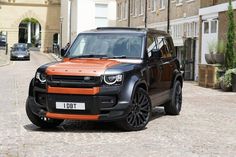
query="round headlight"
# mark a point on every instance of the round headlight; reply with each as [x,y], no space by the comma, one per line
[112,79]
[41,77]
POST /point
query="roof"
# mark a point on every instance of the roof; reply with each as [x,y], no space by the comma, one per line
[126,30]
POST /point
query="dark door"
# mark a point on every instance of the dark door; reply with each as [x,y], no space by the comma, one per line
[167,65]
[154,70]
[189,58]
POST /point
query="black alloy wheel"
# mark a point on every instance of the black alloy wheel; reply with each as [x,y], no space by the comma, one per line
[175,104]
[140,112]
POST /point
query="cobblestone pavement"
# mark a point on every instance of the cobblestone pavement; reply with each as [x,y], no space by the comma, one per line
[205,127]
[4,59]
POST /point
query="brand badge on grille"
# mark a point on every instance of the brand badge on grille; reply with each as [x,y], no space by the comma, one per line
[87,78]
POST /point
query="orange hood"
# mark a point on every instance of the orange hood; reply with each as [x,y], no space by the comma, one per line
[81,67]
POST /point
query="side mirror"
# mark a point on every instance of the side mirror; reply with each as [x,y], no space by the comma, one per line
[156,54]
[63,52]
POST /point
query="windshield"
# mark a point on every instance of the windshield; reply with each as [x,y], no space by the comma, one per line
[20,49]
[107,45]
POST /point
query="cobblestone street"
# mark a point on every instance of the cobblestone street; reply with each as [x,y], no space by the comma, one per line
[205,127]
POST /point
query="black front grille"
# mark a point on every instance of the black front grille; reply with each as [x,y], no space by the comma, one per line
[73,81]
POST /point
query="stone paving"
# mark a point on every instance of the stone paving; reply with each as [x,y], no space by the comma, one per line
[4,59]
[205,127]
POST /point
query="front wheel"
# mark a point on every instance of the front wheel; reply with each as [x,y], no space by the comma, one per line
[41,122]
[140,112]
[175,104]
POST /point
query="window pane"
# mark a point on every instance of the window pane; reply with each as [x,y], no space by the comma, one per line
[101,10]
[213,26]
[206,27]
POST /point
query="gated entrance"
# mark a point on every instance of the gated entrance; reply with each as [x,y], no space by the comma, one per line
[189,58]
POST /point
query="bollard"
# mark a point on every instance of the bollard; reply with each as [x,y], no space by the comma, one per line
[6,48]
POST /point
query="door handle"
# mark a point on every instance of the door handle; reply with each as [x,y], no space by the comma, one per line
[161,67]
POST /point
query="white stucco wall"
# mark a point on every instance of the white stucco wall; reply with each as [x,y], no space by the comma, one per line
[65,21]
[83,17]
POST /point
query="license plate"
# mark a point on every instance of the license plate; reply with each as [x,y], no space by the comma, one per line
[70,106]
[20,56]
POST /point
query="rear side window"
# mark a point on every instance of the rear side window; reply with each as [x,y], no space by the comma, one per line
[164,47]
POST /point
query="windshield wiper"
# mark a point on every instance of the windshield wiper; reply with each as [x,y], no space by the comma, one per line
[117,57]
[88,56]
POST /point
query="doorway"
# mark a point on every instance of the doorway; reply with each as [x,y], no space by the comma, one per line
[30,32]
[189,58]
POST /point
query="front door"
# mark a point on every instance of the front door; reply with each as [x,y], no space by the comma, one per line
[189,59]
[154,71]
[209,35]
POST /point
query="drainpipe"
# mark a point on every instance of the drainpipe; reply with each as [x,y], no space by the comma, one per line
[145,14]
[128,13]
[168,17]
[70,19]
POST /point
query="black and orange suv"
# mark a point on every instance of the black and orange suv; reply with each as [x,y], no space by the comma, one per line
[108,74]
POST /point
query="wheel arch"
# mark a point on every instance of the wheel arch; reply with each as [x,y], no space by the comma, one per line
[177,77]
[31,87]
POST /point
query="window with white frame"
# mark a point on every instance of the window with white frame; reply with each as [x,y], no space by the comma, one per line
[101,13]
[126,9]
[149,4]
[154,5]
[206,27]
[177,31]
[162,4]
[210,26]
[140,7]
[131,7]
[122,10]
[191,29]
[118,11]
[135,7]
[214,26]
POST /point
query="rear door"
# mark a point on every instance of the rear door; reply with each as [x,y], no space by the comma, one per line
[167,66]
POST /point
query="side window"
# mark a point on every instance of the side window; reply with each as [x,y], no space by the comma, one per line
[164,47]
[151,44]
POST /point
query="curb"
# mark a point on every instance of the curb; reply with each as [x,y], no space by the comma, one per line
[7,59]
[5,64]
[51,56]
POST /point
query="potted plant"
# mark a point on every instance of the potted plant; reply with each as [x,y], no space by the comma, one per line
[209,56]
[228,81]
[234,81]
[219,56]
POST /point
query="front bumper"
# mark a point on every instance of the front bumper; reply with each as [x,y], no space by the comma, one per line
[20,58]
[97,107]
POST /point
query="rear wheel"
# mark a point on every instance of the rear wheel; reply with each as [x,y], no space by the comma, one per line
[175,104]
[140,112]
[41,122]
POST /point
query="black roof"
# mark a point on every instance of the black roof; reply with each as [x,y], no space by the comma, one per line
[126,30]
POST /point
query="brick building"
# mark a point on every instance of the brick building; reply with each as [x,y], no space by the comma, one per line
[213,19]
[184,25]
[194,24]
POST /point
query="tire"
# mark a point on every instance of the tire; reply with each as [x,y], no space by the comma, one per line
[139,114]
[174,106]
[41,122]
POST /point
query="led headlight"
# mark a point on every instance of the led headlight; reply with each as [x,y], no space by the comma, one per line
[113,79]
[41,77]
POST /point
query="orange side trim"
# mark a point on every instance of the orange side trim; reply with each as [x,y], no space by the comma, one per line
[83,91]
[71,116]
